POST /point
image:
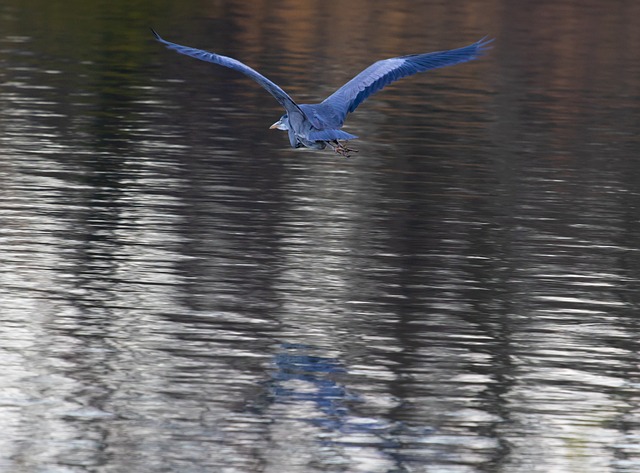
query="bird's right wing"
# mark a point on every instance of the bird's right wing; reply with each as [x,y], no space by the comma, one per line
[281,96]
[382,73]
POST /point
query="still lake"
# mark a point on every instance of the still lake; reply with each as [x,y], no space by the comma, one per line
[180,291]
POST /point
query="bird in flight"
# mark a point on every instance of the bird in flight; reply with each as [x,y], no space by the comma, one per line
[319,125]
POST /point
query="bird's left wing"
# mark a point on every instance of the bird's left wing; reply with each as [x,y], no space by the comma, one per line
[280,95]
[382,73]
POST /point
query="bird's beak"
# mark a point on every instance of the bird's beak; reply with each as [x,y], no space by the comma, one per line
[276,125]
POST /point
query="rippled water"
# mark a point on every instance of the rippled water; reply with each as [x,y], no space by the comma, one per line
[181,291]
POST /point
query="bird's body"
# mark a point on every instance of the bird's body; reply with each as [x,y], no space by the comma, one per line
[319,125]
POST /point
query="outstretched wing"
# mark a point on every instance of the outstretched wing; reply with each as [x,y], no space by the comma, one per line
[281,96]
[382,73]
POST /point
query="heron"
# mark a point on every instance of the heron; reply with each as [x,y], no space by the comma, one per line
[318,125]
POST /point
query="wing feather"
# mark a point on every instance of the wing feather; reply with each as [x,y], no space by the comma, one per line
[280,95]
[382,73]
[330,135]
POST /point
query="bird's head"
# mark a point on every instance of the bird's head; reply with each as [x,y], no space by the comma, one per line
[282,124]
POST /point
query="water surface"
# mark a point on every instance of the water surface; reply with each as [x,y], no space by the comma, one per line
[181,291]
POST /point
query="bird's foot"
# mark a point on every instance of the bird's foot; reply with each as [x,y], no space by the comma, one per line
[341,149]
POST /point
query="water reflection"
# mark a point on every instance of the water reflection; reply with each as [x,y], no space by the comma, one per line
[305,388]
[182,292]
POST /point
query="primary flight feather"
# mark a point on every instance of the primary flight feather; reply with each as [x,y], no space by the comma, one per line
[318,125]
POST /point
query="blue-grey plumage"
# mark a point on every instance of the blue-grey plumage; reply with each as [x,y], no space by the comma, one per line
[318,125]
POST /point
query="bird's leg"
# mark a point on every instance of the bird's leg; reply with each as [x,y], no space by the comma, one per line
[341,149]
[338,148]
[348,150]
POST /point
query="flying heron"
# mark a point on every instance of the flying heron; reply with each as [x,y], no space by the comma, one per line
[318,125]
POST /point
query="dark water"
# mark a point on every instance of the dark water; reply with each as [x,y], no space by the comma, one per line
[181,291]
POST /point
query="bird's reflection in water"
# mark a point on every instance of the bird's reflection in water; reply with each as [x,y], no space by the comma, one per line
[301,377]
